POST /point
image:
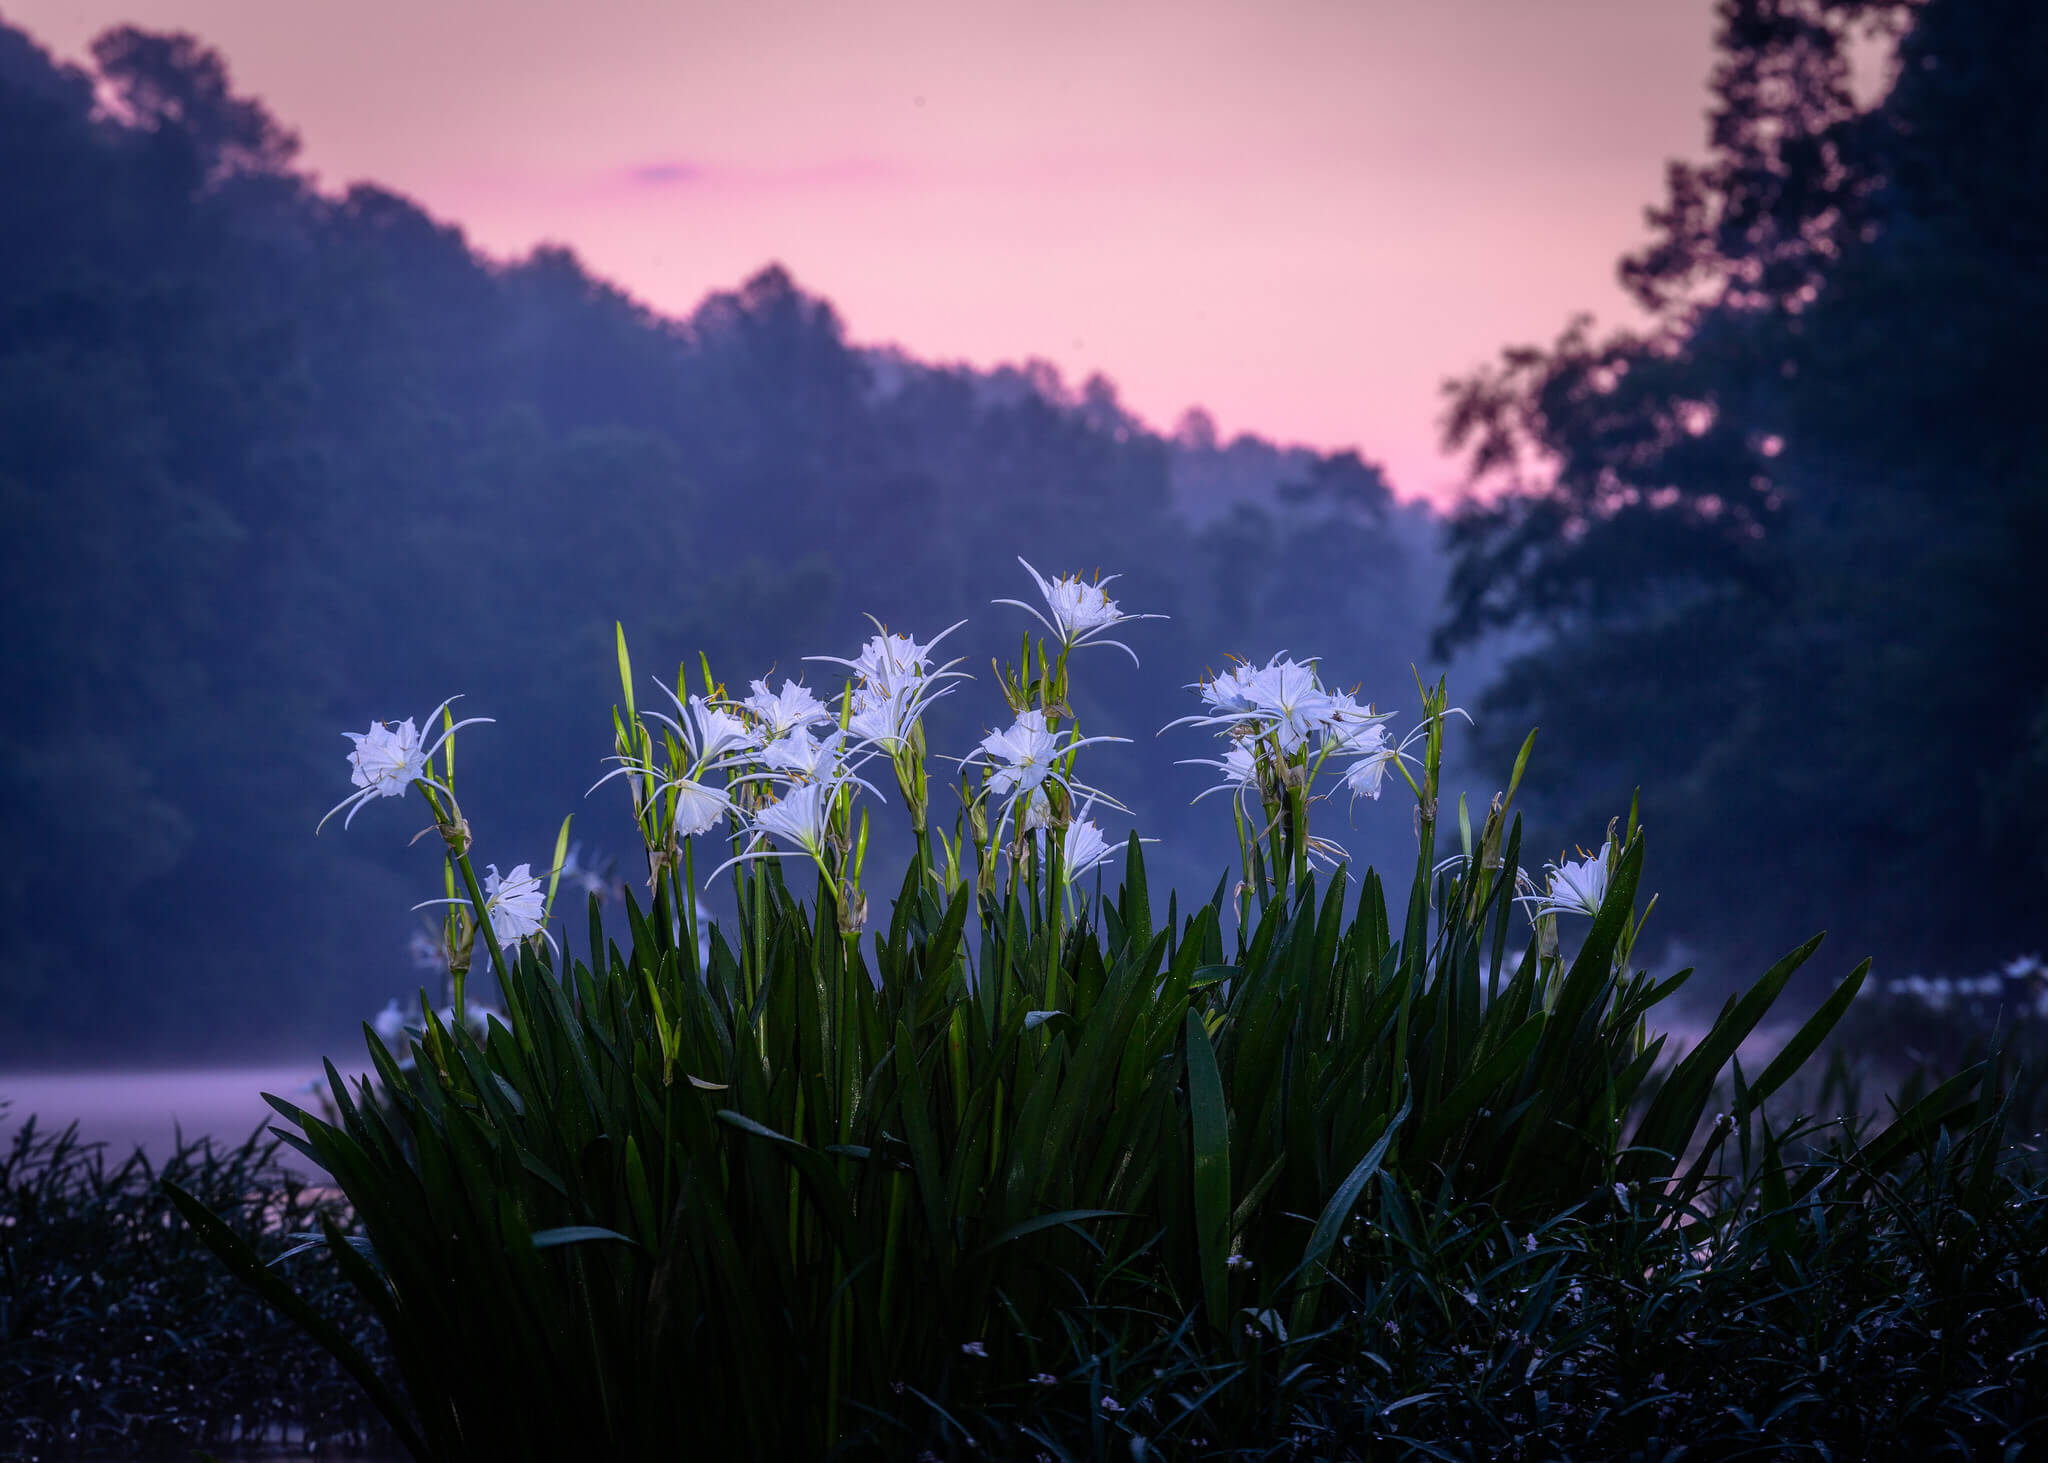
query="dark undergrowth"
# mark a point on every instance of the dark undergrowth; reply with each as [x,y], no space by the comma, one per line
[120,1335]
[1840,1304]
[1824,1308]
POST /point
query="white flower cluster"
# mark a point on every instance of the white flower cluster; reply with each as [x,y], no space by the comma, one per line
[780,769]
[2021,987]
[1281,724]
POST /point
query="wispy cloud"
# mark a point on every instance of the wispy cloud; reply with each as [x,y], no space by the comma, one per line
[664,173]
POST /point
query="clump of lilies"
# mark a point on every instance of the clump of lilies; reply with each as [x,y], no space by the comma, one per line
[785,773]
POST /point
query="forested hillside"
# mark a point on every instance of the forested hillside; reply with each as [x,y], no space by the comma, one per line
[276,460]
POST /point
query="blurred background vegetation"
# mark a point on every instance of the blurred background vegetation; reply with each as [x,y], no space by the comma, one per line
[275,461]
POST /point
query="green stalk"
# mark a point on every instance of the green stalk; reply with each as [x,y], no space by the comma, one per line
[483,919]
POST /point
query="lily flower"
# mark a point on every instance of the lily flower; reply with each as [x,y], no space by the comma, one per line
[514,903]
[1085,849]
[1349,727]
[389,758]
[1239,767]
[894,684]
[1025,756]
[777,713]
[1574,888]
[802,757]
[1287,699]
[889,663]
[801,819]
[712,735]
[699,806]
[1365,742]
[1282,697]
[587,877]
[1077,612]
[712,738]
[1364,776]
[884,716]
[1230,691]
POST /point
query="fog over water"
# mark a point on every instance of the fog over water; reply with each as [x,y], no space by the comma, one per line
[126,1110]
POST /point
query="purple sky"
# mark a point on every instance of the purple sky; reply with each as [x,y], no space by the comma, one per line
[1302,215]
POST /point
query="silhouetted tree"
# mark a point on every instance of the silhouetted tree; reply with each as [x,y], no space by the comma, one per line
[1782,542]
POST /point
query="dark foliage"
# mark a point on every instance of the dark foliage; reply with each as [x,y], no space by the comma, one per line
[1784,543]
[120,1335]
[1806,1311]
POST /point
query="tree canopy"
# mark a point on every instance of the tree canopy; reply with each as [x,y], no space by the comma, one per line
[1780,545]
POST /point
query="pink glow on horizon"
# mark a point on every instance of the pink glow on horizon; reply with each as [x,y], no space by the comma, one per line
[1302,217]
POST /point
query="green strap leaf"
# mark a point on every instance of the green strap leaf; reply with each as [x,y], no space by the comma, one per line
[1330,1224]
[1059,1219]
[578,1234]
[1809,1036]
[1211,1124]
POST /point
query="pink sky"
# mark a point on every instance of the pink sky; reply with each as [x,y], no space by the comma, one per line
[1302,215]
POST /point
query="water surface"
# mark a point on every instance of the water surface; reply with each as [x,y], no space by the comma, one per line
[152,1109]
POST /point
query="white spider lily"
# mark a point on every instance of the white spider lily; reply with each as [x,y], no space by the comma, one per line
[801,817]
[1085,849]
[890,663]
[801,757]
[586,877]
[1287,698]
[1365,742]
[712,738]
[389,758]
[712,735]
[1349,728]
[699,806]
[894,684]
[1282,697]
[1239,767]
[1365,775]
[793,708]
[1021,757]
[514,903]
[1230,691]
[1574,888]
[1077,612]
[884,716]
[801,820]
[1024,756]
